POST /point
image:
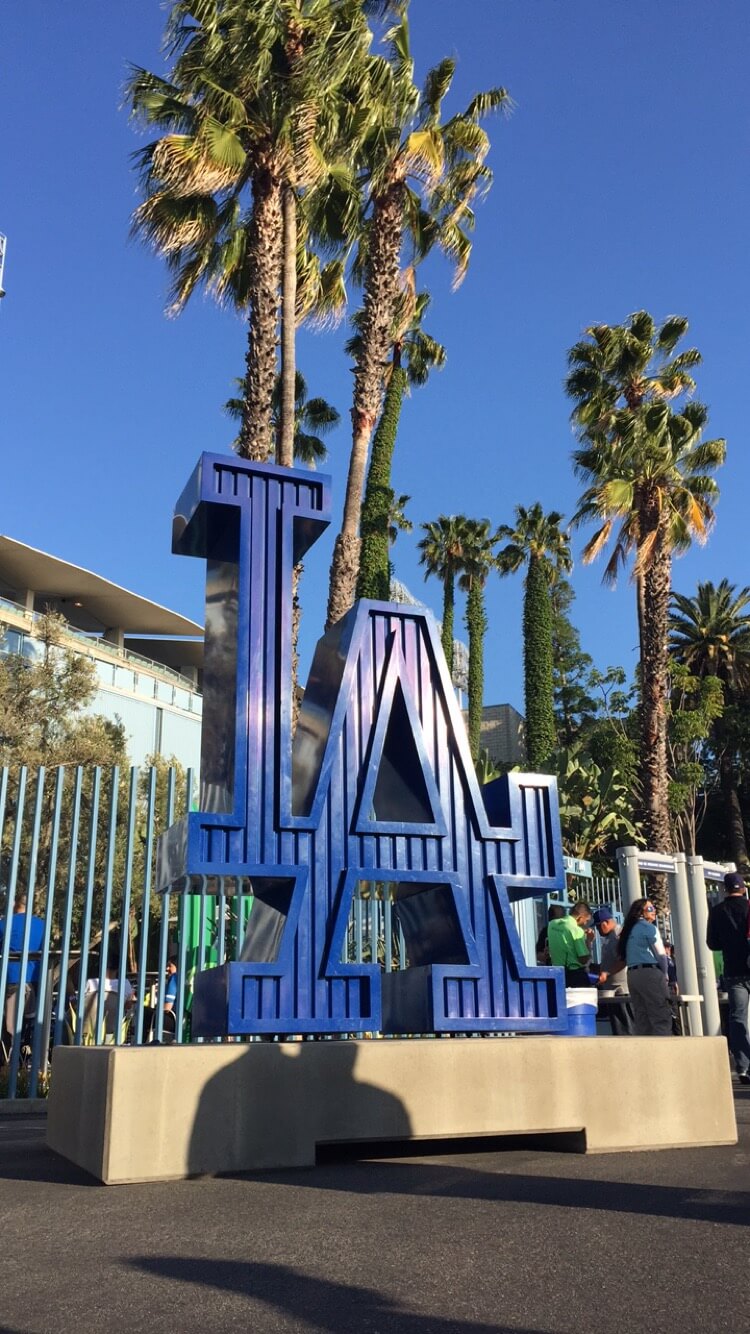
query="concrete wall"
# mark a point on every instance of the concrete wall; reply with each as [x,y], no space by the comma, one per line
[141,1114]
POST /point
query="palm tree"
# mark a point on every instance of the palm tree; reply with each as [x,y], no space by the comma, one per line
[477,560]
[646,470]
[442,550]
[710,635]
[397,521]
[249,119]
[414,354]
[313,418]
[421,176]
[538,543]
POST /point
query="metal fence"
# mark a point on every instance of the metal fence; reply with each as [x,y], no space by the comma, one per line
[87,942]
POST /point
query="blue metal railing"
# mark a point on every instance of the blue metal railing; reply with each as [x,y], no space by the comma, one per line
[85,940]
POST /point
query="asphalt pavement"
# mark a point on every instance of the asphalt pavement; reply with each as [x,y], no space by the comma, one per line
[528,1240]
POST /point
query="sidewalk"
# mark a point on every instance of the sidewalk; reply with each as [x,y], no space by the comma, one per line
[528,1241]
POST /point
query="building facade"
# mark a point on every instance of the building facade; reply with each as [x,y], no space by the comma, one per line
[148,659]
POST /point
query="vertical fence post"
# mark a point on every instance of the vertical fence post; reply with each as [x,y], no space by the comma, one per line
[11,901]
[62,997]
[164,926]
[183,919]
[114,792]
[23,966]
[88,905]
[43,1027]
[146,900]
[387,930]
[629,874]
[704,956]
[125,905]
[682,929]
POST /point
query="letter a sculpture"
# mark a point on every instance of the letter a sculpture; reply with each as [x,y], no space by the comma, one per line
[377,789]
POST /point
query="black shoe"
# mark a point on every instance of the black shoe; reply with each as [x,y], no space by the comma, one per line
[744,1079]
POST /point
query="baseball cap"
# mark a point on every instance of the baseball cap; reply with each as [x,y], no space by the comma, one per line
[733,882]
[603,914]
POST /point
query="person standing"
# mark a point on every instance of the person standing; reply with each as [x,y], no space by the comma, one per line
[556,910]
[18,923]
[642,949]
[613,973]
[727,931]
[568,944]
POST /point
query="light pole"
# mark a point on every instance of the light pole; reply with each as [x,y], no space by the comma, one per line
[3,243]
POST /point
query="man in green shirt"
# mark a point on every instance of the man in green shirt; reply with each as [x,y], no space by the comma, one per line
[568,944]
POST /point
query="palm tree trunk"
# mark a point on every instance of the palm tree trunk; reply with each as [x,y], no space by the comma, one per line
[446,630]
[265,243]
[657,579]
[374,565]
[537,668]
[380,294]
[285,446]
[476,624]
[734,823]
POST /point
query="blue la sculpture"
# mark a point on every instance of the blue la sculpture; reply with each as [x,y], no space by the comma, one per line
[377,786]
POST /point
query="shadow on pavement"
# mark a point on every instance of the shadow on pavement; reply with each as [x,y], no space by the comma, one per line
[24,1156]
[337,1308]
[433,1179]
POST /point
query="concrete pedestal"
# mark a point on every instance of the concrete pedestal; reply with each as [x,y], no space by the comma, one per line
[154,1113]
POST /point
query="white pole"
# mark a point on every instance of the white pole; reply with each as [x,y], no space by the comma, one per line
[682,930]
[704,957]
[630,880]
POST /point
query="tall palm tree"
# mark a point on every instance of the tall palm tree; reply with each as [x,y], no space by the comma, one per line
[313,419]
[647,471]
[537,543]
[250,118]
[710,634]
[477,560]
[414,354]
[442,550]
[421,175]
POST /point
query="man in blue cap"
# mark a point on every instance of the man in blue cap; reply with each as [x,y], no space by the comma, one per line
[613,975]
[728,928]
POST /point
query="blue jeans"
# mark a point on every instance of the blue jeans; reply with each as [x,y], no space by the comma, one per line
[738,991]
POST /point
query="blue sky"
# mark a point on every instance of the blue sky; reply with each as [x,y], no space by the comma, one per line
[621,182]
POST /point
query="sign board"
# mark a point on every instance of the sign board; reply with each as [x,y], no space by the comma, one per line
[656,862]
[578,866]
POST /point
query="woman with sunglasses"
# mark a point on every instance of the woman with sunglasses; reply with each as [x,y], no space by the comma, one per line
[642,948]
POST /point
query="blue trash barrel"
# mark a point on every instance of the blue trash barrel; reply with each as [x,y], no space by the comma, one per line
[582,1004]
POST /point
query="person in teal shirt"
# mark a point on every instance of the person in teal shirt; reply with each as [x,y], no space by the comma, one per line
[642,948]
[568,945]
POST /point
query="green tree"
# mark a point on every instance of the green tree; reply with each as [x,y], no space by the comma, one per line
[414,354]
[44,706]
[46,723]
[710,636]
[596,810]
[477,560]
[420,177]
[442,550]
[537,543]
[648,485]
[574,704]
[695,706]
